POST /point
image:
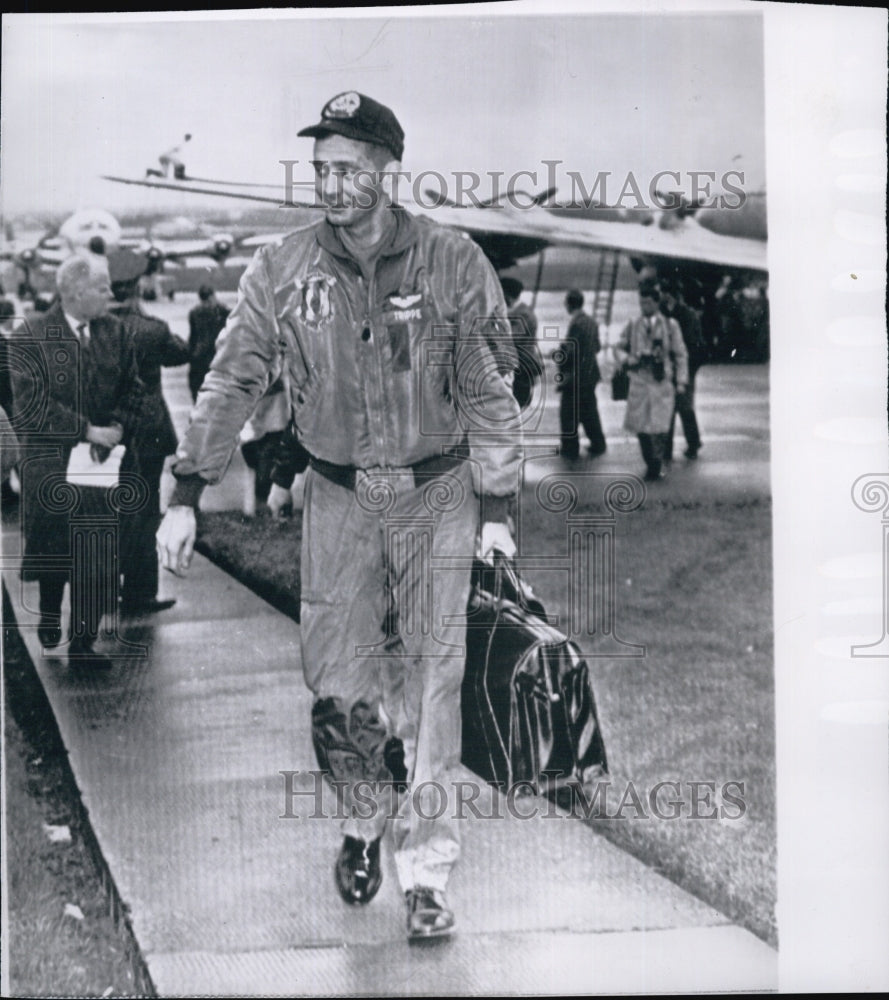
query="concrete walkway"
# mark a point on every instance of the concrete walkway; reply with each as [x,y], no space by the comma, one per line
[177,753]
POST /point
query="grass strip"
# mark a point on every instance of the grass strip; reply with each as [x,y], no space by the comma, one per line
[51,953]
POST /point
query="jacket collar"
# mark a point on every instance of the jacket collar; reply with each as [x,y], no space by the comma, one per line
[403,235]
[55,316]
[655,320]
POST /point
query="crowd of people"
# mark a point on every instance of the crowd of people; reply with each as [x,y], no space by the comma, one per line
[660,350]
[335,382]
[81,403]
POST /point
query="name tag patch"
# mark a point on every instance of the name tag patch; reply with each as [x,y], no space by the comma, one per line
[403,315]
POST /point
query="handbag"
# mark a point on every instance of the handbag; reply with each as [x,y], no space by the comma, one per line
[620,383]
[529,715]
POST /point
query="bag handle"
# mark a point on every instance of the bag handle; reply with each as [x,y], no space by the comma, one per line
[505,569]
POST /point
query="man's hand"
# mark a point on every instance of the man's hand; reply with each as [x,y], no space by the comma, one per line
[175,539]
[278,500]
[495,535]
[107,437]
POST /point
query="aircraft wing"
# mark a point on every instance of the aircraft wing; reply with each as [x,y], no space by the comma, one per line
[509,233]
[686,240]
[508,236]
[248,192]
[177,249]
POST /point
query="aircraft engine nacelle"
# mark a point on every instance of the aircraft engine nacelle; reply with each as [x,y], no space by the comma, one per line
[85,228]
[223,244]
[155,257]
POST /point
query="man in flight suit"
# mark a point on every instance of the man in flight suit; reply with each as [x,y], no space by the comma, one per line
[396,346]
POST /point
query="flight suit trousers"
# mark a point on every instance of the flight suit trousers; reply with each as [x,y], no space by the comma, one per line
[385,561]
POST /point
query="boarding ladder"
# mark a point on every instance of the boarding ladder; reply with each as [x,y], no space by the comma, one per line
[606,279]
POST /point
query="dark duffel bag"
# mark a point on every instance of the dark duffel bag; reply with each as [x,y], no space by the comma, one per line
[529,715]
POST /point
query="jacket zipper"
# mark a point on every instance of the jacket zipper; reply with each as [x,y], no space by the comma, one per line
[376,413]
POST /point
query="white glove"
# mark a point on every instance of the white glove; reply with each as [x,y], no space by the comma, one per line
[495,535]
[278,499]
[175,539]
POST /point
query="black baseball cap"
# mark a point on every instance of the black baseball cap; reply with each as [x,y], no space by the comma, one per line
[358,117]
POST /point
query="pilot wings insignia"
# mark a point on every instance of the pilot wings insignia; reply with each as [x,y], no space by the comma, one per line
[406,302]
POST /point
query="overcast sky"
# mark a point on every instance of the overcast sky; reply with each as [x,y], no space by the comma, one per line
[599,92]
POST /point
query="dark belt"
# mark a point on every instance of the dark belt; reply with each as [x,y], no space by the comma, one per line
[423,471]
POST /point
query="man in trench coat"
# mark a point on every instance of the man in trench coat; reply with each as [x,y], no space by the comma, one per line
[653,347]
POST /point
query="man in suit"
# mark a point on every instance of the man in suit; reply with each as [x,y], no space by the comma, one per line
[524,334]
[577,380]
[673,305]
[8,445]
[74,381]
[153,439]
[7,321]
[205,322]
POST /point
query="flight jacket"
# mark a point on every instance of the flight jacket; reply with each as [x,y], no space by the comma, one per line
[382,374]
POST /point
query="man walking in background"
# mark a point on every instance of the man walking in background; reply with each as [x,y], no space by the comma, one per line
[674,306]
[524,335]
[205,323]
[652,347]
[8,446]
[577,378]
[153,437]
